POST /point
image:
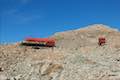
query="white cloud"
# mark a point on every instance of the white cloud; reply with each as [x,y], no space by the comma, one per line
[26,19]
[9,12]
[19,17]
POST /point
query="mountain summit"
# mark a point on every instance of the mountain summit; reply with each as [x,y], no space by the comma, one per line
[100,27]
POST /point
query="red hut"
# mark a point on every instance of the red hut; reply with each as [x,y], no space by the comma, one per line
[50,42]
[101,41]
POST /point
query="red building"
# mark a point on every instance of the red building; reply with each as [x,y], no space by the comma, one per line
[49,42]
[101,41]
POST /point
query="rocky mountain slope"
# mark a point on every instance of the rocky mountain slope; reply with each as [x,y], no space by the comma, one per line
[77,56]
[87,36]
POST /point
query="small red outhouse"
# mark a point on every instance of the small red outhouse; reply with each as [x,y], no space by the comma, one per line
[101,41]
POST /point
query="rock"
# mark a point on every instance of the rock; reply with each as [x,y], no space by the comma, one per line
[53,71]
[1,69]
[3,77]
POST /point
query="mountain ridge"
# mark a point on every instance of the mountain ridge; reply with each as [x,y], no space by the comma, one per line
[93,26]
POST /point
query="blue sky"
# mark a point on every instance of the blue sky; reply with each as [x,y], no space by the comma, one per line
[41,18]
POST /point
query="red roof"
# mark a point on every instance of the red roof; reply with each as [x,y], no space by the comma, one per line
[40,39]
[101,38]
